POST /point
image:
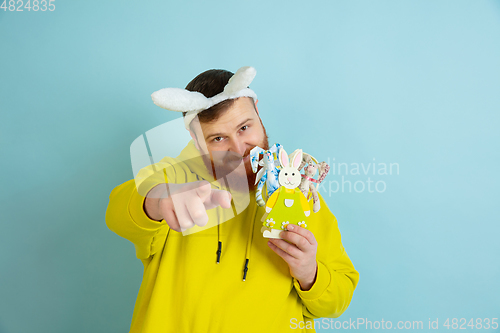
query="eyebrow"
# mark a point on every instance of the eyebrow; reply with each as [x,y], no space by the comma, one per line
[221,134]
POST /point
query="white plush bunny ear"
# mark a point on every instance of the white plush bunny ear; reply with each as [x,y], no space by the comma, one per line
[240,80]
[283,157]
[180,100]
[297,158]
[192,102]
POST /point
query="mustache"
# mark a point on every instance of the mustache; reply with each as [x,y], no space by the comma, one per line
[229,157]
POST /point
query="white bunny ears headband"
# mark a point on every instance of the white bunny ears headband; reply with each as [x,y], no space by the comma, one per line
[193,102]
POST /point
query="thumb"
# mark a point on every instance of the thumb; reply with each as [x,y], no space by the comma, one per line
[218,197]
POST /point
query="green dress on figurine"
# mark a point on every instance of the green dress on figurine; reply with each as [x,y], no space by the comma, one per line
[287,207]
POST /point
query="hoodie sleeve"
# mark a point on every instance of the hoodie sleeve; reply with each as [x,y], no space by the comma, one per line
[336,277]
[126,217]
[125,213]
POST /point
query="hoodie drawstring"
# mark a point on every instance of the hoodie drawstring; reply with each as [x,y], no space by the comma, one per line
[219,246]
[249,239]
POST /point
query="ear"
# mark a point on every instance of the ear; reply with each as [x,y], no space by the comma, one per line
[195,140]
[303,163]
[180,100]
[314,159]
[283,157]
[323,171]
[297,158]
[305,158]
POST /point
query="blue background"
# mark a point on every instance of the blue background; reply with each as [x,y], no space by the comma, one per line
[410,82]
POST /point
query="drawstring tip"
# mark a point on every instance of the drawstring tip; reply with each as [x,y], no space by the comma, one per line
[245,270]
[219,251]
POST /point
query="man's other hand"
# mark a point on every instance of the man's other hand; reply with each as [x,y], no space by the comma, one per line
[298,248]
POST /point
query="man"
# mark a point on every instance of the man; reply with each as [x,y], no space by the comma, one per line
[180,212]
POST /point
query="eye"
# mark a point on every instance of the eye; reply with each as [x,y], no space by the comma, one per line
[218,139]
[244,127]
[286,174]
[293,174]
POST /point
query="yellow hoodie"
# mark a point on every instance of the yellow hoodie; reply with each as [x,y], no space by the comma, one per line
[184,289]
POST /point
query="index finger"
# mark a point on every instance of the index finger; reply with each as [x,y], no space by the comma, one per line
[218,197]
[307,234]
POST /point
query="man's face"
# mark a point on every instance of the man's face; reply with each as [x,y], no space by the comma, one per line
[229,139]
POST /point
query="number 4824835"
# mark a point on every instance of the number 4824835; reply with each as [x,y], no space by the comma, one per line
[35,5]
[479,323]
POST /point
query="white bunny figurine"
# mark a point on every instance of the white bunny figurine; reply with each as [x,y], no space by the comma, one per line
[287,205]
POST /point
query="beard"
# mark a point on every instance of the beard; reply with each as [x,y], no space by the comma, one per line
[232,170]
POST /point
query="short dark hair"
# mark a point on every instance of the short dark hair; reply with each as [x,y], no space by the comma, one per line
[211,83]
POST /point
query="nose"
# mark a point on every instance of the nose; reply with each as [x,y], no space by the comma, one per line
[237,146]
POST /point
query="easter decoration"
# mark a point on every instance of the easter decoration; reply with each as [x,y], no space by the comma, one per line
[287,205]
[307,183]
[268,174]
